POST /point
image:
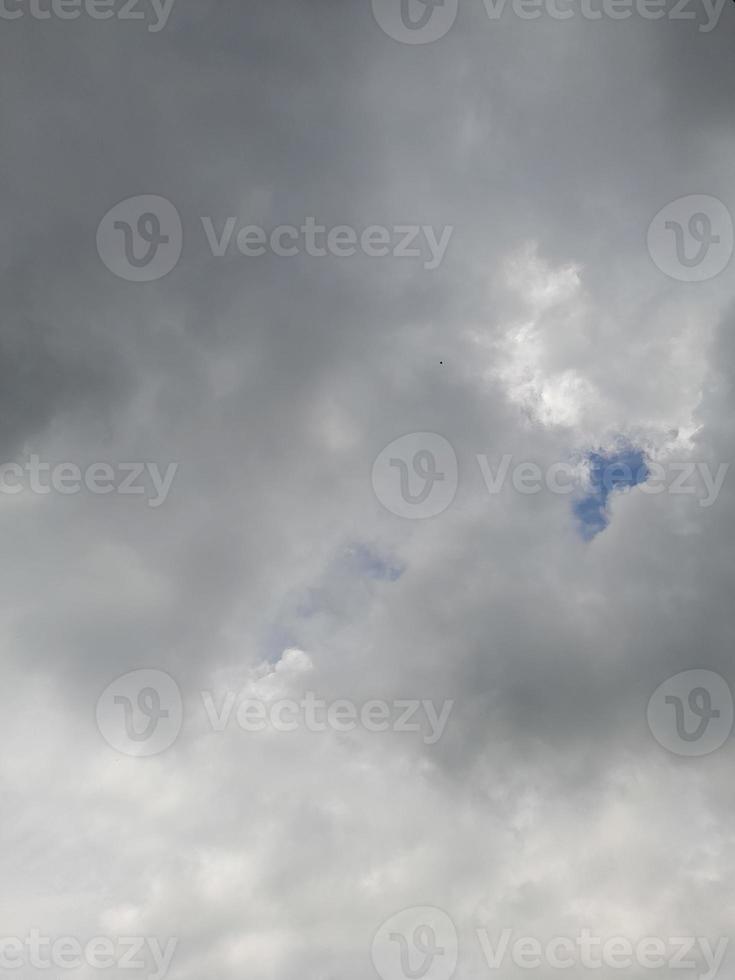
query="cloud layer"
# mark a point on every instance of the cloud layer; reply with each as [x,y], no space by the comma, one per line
[546,332]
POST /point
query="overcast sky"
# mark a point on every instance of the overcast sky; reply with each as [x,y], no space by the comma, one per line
[278,544]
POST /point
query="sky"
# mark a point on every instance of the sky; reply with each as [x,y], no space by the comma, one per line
[323,327]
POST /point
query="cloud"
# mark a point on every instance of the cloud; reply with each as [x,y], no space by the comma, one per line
[546,806]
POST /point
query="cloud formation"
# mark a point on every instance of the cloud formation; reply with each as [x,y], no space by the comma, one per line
[274,382]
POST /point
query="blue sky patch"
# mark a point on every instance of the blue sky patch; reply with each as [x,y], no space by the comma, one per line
[363,560]
[609,472]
